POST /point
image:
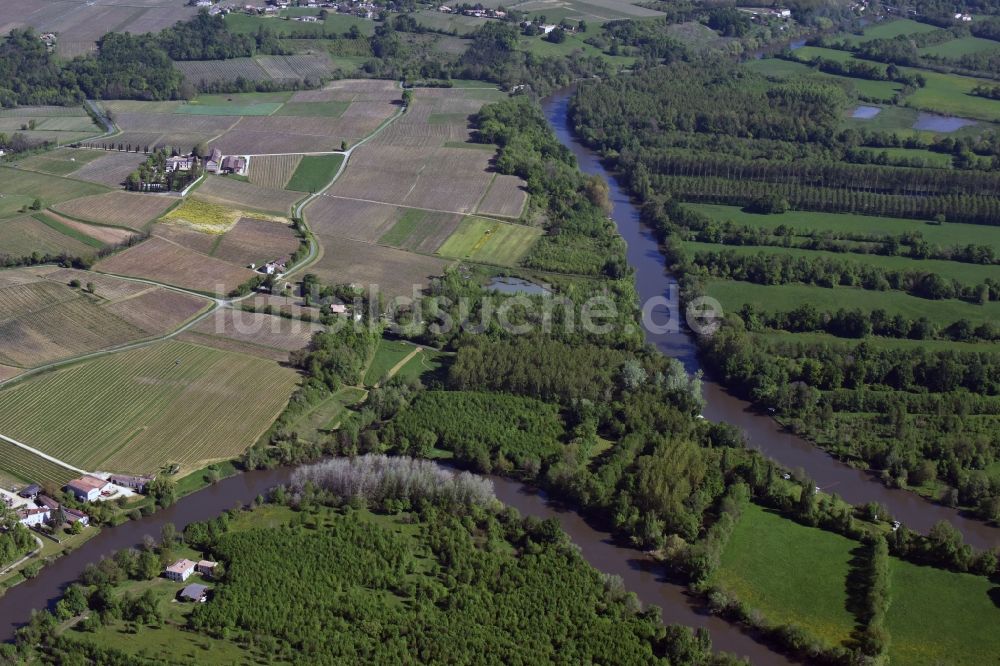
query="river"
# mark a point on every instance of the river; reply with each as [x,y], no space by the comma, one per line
[764,433]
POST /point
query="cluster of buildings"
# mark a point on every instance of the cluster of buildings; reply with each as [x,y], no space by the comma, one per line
[360,8]
[477,11]
[181,570]
[37,509]
[216,162]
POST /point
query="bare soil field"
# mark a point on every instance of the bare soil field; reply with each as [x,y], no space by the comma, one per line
[189,238]
[239,194]
[105,286]
[272,171]
[233,345]
[110,169]
[142,121]
[288,304]
[506,197]
[347,218]
[395,272]
[296,67]
[254,241]
[351,90]
[259,329]
[162,261]
[122,209]
[9,372]
[157,310]
[24,235]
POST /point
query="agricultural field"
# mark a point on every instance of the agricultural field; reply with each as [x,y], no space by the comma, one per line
[937,616]
[49,189]
[335,24]
[786,69]
[59,162]
[956,48]
[120,209]
[315,172]
[160,260]
[60,125]
[593,11]
[240,195]
[26,467]
[490,241]
[781,298]
[574,43]
[110,169]
[420,230]
[944,235]
[393,272]
[949,94]
[790,573]
[505,198]
[43,319]
[200,72]
[889,30]
[272,171]
[189,405]
[24,235]
[256,241]
[273,333]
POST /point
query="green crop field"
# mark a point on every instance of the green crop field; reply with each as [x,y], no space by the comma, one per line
[807,53]
[939,617]
[890,30]
[60,162]
[314,172]
[945,235]
[777,68]
[335,23]
[50,189]
[490,241]
[388,354]
[780,298]
[966,273]
[186,404]
[234,109]
[949,94]
[791,573]
[26,467]
[930,158]
[956,48]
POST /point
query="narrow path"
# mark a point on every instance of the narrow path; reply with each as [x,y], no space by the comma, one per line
[41,454]
[399,366]
[24,559]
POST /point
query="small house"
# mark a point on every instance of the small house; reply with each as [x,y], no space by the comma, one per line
[206,567]
[29,492]
[338,308]
[234,164]
[47,502]
[194,592]
[89,488]
[180,570]
[179,163]
[214,161]
[33,517]
[74,516]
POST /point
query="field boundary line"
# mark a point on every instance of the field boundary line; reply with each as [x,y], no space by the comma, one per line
[386,203]
[38,453]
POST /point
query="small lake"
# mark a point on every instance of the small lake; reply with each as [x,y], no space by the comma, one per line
[933,122]
[865,112]
[513,285]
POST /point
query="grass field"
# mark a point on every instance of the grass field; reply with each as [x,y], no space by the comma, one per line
[780,298]
[969,274]
[949,94]
[889,30]
[791,573]
[490,241]
[314,172]
[425,361]
[335,23]
[786,69]
[50,189]
[940,234]
[388,354]
[187,404]
[332,109]
[24,235]
[328,414]
[938,617]
[573,43]
[956,48]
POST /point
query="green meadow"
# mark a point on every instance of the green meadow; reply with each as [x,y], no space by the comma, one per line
[314,172]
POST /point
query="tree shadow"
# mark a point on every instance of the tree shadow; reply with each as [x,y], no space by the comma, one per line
[856,586]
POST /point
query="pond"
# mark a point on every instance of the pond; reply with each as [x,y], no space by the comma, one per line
[865,112]
[934,122]
[513,285]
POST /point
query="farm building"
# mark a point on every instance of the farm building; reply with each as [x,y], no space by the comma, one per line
[206,567]
[234,164]
[30,492]
[47,502]
[180,163]
[194,592]
[180,570]
[89,488]
[33,517]
[76,516]
[136,483]
[214,161]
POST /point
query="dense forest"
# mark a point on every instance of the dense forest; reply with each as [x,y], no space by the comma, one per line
[925,417]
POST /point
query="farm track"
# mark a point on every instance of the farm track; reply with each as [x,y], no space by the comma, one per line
[315,252]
